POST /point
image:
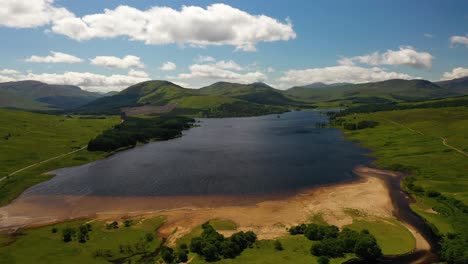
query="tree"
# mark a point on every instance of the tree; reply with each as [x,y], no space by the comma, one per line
[182,256]
[323,260]
[68,234]
[367,247]
[278,245]
[210,252]
[167,254]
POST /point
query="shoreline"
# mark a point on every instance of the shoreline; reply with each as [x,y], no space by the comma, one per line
[267,216]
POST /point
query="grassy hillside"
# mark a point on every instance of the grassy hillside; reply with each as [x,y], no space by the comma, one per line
[259,93]
[28,138]
[186,101]
[432,144]
[34,95]
[459,86]
[394,90]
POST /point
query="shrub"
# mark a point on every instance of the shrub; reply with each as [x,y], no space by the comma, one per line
[278,245]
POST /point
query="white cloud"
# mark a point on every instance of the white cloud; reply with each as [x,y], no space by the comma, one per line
[405,56]
[455,73]
[126,62]
[201,59]
[459,40]
[87,80]
[27,13]
[56,57]
[204,74]
[218,24]
[6,79]
[137,73]
[270,69]
[337,74]
[229,65]
[168,66]
[428,35]
[9,72]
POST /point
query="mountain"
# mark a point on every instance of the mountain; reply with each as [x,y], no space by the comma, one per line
[395,90]
[156,97]
[34,95]
[258,93]
[458,86]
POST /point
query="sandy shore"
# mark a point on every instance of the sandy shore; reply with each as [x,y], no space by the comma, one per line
[267,216]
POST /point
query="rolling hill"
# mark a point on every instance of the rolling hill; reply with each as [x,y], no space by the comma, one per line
[156,97]
[34,95]
[394,90]
[259,93]
[459,86]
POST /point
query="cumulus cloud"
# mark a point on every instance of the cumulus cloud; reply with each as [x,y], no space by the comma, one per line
[9,72]
[405,56]
[55,57]
[126,62]
[229,71]
[27,13]
[137,73]
[463,40]
[6,78]
[218,24]
[455,73]
[168,66]
[428,35]
[201,59]
[87,80]
[337,74]
[229,65]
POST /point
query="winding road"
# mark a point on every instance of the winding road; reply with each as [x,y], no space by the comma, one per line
[444,140]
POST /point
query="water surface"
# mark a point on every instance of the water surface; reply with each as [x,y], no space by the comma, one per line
[231,156]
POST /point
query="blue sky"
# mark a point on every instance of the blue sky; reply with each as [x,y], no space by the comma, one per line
[282,43]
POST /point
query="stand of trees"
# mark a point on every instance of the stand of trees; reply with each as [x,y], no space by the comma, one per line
[134,130]
[241,109]
[389,106]
[335,243]
[212,246]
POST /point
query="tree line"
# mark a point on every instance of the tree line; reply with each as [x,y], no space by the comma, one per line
[335,243]
[133,130]
[213,246]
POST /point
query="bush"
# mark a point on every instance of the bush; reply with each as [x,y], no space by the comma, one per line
[278,245]
[323,260]
[68,234]
[54,230]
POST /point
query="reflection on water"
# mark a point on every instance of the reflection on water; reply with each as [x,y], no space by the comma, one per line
[231,156]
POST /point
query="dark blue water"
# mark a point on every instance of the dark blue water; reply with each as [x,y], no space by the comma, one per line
[232,156]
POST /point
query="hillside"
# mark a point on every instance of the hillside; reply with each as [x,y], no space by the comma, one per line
[259,93]
[156,97]
[29,138]
[458,86]
[394,90]
[34,95]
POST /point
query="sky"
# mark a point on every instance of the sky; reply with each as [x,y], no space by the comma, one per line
[108,45]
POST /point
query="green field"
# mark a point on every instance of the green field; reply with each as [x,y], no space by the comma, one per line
[392,236]
[413,140]
[29,138]
[296,250]
[40,245]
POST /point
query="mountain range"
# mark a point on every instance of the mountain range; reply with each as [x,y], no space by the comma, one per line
[34,95]
[218,99]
